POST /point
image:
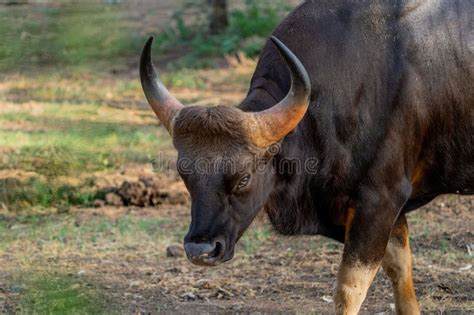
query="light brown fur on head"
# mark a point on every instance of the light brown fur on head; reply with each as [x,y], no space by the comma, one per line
[212,131]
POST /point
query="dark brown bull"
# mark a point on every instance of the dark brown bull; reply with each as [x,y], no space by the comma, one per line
[384,103]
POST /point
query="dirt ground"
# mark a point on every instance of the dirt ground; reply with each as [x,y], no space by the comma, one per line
[270,273]
[296,274]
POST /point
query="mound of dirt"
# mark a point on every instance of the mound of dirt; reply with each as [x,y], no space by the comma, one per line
[147,191]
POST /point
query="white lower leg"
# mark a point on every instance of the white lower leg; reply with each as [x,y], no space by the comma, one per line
[351,288]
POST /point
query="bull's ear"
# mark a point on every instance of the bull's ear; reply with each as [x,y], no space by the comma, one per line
[270,126]
[165,106]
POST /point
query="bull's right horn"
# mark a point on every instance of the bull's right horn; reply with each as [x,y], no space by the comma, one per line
[165,106]
[272,125]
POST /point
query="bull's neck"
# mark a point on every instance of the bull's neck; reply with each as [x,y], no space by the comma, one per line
[289,201]
[290,206]
[297,200]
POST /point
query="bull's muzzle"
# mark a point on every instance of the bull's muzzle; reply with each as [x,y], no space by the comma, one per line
[205,254]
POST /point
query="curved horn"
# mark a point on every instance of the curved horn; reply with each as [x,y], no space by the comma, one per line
[271,125]
[165,106]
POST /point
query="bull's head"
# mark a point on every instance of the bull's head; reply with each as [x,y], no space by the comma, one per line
[225,157]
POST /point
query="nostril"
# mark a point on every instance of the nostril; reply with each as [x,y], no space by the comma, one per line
[218,249]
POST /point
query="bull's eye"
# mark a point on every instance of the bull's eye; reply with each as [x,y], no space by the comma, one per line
[244,181]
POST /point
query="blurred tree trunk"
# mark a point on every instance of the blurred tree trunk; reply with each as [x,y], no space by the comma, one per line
[15,2]
[219,19]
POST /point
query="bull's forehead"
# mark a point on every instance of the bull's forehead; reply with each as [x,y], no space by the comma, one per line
[210,132]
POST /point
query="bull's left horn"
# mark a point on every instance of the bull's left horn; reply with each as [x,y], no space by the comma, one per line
[165,106]
[271,125]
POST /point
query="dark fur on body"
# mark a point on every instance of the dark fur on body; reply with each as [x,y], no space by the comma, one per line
[390,122]
[392,96]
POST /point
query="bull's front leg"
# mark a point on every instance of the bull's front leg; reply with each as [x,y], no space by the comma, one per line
[398,266]
[368,228]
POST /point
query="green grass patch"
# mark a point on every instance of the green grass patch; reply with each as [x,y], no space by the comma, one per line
[57,293]
[18,195]
[68,141]
[70,146]
[254,238]
[41,286]
[77,34]
[184,78]
[65,229]
[88,88]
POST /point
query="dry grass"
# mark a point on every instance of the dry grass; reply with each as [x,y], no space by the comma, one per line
[119,255]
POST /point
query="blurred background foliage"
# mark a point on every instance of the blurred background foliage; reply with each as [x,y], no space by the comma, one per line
[85,34]
[248,29]
[72,34]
